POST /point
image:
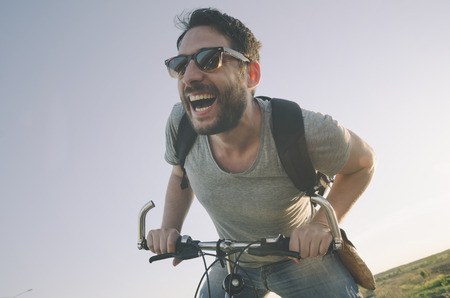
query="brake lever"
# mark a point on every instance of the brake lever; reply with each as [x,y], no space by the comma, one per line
[161,257]
[185,249]
[270,252]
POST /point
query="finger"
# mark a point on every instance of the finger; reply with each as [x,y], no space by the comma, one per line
[300,242]
[162,244]
[150,242]
[325,245]
[156,245]
[295,259]
[176,261]
[153,241]
[314,247]
[305,246]
[172,241]
[294,243]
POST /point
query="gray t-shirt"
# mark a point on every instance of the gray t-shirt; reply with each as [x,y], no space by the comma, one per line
[262,201]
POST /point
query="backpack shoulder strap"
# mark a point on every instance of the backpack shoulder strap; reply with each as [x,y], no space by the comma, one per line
[289,135]
[186,137]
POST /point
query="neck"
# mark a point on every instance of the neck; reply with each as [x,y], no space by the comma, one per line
[236,150]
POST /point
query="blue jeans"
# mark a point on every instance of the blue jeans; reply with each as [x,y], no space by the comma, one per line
[314,277]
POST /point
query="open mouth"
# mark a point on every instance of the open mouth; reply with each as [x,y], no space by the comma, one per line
[202,102]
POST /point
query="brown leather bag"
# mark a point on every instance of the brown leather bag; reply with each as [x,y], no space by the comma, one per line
[355,265]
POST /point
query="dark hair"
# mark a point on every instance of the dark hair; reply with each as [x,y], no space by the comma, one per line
[240,37]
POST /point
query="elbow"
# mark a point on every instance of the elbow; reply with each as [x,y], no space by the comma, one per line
[368,160]
[362,157]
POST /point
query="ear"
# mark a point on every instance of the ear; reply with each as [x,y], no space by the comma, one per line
[254,75]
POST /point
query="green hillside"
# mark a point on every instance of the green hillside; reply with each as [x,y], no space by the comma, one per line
[428,277]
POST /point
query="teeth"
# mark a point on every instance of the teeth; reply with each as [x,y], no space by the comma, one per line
[200,97]
[202,102]
[201,109]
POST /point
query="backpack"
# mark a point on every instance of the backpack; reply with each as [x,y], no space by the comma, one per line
[289,135]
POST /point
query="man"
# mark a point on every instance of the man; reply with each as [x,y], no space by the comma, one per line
[234,170]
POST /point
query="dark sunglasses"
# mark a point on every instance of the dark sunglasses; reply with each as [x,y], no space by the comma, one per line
[208,59]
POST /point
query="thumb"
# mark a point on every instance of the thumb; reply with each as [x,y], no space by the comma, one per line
[176,261]
[295,259]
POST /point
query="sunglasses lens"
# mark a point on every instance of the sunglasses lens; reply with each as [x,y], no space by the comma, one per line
[208,59]
[177,66]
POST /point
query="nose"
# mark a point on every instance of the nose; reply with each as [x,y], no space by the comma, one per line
[192,73]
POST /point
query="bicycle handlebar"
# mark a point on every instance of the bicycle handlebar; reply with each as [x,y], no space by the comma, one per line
[275,245]
[186,248]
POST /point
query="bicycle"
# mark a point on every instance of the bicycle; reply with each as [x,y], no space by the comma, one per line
[233,284]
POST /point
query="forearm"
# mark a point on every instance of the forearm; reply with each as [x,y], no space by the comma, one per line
[346,190]
[177,202]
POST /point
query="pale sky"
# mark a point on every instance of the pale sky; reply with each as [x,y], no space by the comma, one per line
[84,100]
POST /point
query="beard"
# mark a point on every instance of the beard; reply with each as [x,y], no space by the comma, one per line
[230,104]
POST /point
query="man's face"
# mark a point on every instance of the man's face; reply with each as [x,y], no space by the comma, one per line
[215,101]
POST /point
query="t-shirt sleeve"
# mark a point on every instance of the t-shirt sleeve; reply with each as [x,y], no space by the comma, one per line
[328,142]
[171,134]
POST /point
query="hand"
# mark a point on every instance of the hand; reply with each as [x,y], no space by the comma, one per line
[163,241]
[311,240]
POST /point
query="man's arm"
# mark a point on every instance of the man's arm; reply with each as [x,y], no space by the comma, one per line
[176,208]
[349,184]
[351,181]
